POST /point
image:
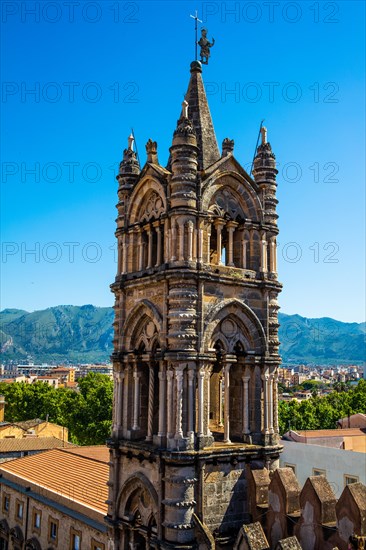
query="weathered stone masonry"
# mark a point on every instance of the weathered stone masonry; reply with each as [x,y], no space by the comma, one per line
[196,347]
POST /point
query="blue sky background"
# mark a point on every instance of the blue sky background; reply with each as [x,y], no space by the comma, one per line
[129,62]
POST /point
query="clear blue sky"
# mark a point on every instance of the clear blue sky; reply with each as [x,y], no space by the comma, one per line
[99,68]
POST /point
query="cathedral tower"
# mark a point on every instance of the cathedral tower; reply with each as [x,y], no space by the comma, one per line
[196,347]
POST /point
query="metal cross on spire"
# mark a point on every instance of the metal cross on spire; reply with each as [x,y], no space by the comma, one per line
[195,17]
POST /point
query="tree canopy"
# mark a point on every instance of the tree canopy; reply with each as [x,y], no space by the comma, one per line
[320,413]
[87,413]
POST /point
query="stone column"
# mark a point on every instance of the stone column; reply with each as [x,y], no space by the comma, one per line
[265,378]
[150,247]
[169,408]
[275,403]
[119,255]
[124,253]
[201,377]
[230,226]
[246,380]
[158,244]
[136,398]
[141,250]
[227,404]
[208,378]
[181,241]
[209,244]
[270,404]
[190,240]
[200,242]
[221,423]
[130,249]
[119,395]
[273,256]
[179,403]
[244,244]
[162,403]
[126,404]
[264,263]
[190,402]
[195,244]
[166,241]
[219,226]
[251,249]
[150,410]
[173,242]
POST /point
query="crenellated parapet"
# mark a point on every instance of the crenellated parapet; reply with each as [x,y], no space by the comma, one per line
[311,516]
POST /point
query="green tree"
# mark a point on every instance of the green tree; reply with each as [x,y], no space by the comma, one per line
[86,413]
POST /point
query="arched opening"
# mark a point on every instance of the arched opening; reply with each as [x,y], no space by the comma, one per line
[139,504]
[236,335]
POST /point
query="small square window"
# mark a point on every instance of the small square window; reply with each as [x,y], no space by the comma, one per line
[319,472]
[95,545]
[37,520]
[19,507]
[52,530]
[75,540]
[349,479]
[6,503]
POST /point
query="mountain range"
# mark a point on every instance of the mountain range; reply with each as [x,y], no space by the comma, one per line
[83,334]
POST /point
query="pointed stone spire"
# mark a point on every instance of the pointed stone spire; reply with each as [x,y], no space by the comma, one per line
[199,114]
[264,173]
[129,165]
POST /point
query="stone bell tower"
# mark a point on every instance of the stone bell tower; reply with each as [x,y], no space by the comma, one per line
[195,347]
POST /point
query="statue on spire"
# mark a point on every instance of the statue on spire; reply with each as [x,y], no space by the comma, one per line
[206,45]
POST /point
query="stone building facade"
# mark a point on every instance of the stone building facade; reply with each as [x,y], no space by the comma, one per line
[55,501]
[196,346]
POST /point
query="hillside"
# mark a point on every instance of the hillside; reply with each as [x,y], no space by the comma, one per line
[57,334]
[84,334]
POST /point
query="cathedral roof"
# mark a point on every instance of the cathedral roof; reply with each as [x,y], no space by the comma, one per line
[199,114]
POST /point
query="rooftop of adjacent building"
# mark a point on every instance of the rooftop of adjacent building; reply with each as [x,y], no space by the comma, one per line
[78,474]
[350,439]
[31,443]
[332,433]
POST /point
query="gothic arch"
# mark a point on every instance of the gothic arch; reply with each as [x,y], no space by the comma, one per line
[140,196]
[16,535]
[138,495]
[4,527]
[141,315]
[247,197]
[33,544]
[252,332]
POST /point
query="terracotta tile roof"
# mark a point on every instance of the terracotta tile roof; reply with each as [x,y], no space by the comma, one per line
[95,452]
[17,444]
[77,478]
